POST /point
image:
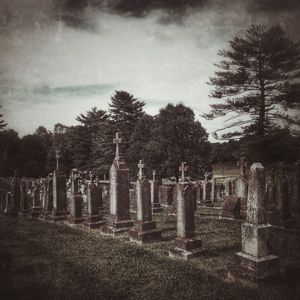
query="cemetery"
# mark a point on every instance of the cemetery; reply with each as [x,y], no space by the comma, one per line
[226,238]
[149,149]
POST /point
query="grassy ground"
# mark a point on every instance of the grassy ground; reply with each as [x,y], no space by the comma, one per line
[41,260]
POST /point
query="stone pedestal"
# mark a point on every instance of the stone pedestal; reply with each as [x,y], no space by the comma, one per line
[255,262]
[144,230]
[76,210]
[186,245]
[94,219]
[241,191]
[207,189]
[59,212]
[119,219]
[132,199]
[48,196]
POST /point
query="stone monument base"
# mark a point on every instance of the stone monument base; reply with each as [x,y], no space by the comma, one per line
[156,208]
[74,220]
[144,232]
[186,248]
[58,216]
[94,222]
[209,203]
[115,228]
[35,211]
[252,269]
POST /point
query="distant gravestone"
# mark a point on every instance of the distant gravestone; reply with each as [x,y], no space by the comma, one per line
[232,207]
[281,215]
[119,219]
[165,195]
[49,196]
[156,207]
[76,201]
[59,212]
[186,245]
[8,210]
[144,230]
[94,219]
[255,261]
[24,201]
[36,208]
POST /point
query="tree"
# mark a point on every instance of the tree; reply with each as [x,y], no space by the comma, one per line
[2,124]
[9,147]
[125,111]
[256,80]
[176,137]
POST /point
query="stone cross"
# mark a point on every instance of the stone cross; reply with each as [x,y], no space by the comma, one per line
[206,176]
[153,175]
[242,163]
[183,168]
[117,140]
[141,166]
[57,156]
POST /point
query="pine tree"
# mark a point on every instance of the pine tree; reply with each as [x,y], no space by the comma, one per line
[256,80]
[125,111]
[2,124]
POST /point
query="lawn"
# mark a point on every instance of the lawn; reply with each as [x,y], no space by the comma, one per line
[42,260]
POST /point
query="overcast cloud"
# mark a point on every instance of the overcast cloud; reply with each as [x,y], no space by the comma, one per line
[60,58]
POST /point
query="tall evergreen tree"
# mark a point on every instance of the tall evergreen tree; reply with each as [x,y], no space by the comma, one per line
[125,111]
[256,80]
[2,124]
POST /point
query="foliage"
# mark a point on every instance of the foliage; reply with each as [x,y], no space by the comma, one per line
[9,147]
[175,138]
[2,124]
[256,80]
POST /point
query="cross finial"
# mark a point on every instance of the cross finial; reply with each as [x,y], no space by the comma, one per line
[57,156]
[153,175]
[242,163]
[206,174]
[117,140]
[141,166]
[183,168]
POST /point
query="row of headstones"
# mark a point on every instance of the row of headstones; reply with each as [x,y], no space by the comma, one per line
[281,195]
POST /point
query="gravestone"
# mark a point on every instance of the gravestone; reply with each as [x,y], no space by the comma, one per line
[15,188]
[186,245]
[156,207]
[8,210]
[132,199]
[36,208]
[207,189]
[213,193]
[94,219]
[119,219]
[144,230]
[59,212]
[281,216]
[48,196]
[255,262]
[271,191]
[232,207]
[76,201]
[24,201]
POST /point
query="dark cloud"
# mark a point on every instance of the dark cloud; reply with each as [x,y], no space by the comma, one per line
[273,6]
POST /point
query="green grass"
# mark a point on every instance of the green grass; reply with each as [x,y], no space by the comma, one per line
[41,260]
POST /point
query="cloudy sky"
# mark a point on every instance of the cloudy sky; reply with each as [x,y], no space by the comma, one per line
[59,58]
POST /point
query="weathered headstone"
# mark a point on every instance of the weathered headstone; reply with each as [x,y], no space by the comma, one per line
[48,196]
[132,199]
[232,207]
[187,245]
[76,201]
[24,203]
[281,215]
[8,210]
[144,230]
[255,262]
[271,199]
[36,208]
[156,207]
[94,219]
[59,212]
[207,189]
[119,219]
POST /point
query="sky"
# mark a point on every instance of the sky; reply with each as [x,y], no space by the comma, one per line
[60,58]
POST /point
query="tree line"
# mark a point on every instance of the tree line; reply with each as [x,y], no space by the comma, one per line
[256,85]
